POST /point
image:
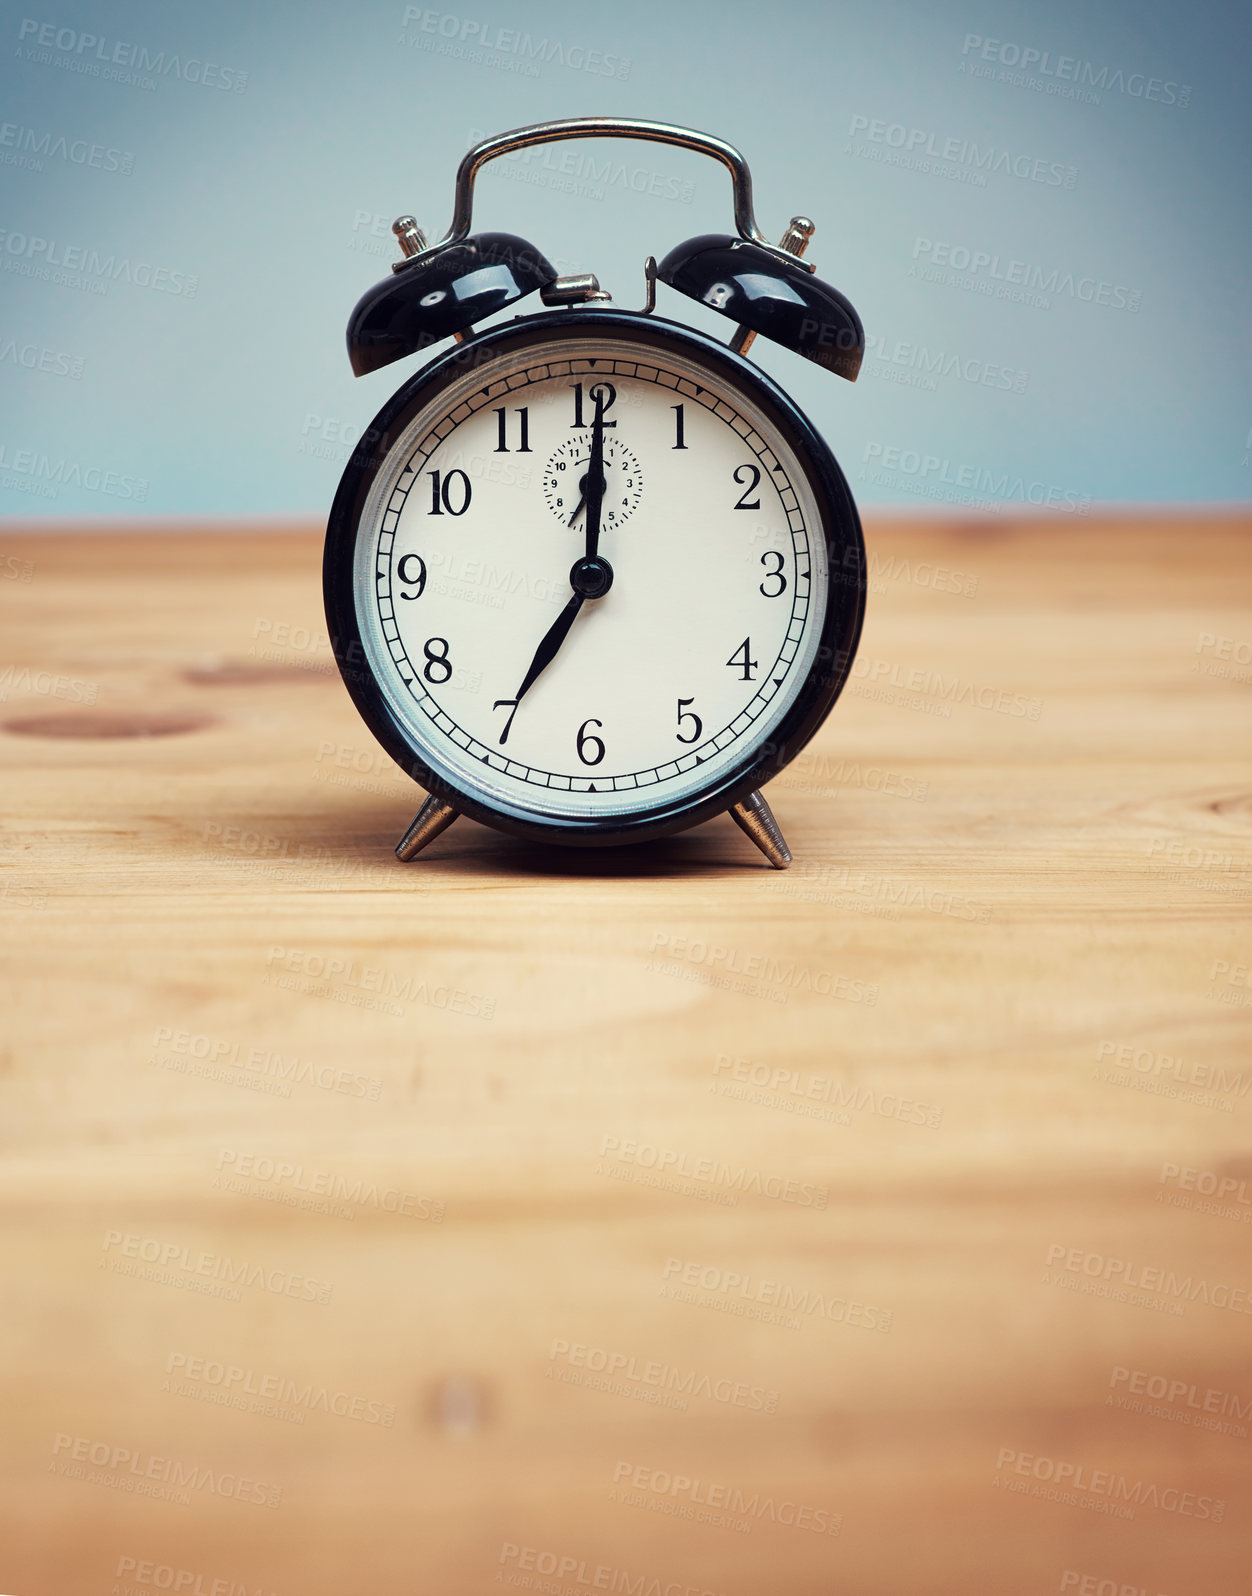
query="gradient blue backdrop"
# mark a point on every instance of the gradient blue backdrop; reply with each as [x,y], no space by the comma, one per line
[193,198]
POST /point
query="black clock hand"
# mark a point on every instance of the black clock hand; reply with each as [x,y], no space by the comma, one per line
[593,484]
[594,491]
[544,655]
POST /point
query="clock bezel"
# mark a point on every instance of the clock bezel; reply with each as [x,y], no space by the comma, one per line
[840,529]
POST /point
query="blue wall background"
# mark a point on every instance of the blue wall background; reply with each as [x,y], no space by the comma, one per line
[193,198]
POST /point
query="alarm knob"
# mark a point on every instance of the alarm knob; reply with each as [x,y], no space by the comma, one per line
[411,238]
[574,290]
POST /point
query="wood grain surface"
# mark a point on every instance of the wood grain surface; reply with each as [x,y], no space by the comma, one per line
[647,1220]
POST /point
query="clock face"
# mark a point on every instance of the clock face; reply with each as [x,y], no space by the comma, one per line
[543,686]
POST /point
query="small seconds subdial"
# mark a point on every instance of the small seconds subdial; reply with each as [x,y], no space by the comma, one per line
[563,479]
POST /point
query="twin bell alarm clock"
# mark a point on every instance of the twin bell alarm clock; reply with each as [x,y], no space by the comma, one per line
[591,576]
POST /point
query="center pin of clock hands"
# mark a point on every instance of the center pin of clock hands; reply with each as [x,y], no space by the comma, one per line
[591,577]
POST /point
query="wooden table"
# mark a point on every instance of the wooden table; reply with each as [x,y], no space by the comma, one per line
[648,1221]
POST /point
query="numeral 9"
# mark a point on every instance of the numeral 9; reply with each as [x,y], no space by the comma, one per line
[418,581]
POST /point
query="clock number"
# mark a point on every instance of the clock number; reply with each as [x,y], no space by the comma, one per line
[523,416]
[742,657]
[418,581]
[585,738]
[774,575]
[744,503]
[436,661]
[678,426]
[441,492]
[607,403]
[499,704]
[687,714]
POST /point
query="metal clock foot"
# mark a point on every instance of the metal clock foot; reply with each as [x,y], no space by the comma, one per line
[755,817]
[433,817]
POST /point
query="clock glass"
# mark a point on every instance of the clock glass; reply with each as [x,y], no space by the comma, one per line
[590,578]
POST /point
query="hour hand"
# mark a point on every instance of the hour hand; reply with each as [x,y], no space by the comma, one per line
[544,655]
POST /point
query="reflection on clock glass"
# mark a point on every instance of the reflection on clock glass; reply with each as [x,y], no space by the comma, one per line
[657,668]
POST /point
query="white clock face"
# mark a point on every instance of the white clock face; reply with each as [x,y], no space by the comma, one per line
[709,541]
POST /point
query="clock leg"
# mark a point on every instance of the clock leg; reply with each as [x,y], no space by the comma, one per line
[755,817]
[433,817]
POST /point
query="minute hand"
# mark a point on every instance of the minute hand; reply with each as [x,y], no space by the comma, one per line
[595,477]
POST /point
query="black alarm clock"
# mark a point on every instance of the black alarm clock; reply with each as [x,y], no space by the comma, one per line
[591,577]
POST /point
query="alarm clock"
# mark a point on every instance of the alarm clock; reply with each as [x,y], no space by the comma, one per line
[591,576]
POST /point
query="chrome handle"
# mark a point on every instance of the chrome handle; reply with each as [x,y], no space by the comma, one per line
[605,127]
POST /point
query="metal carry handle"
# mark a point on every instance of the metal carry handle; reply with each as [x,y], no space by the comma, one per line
[606,127]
